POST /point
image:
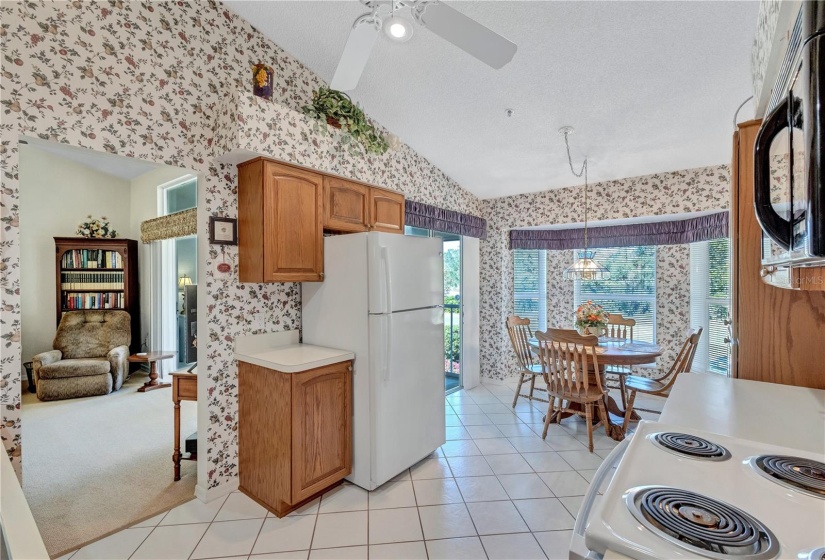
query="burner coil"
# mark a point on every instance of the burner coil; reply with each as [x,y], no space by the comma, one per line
[705,526]
[805,475]
[690,445]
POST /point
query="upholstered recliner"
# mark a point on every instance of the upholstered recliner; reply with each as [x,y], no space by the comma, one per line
[90,356]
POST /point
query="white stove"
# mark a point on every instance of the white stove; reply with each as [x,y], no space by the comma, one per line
[681,493]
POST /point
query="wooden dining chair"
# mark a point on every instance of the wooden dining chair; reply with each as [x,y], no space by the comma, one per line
[619,327]
[520,334]
[660,386]
[570,367]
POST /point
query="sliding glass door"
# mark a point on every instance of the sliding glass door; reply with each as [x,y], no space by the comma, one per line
[452,305]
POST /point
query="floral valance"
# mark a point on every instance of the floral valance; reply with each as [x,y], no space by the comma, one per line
[179,224]
[674,232]
[426,216]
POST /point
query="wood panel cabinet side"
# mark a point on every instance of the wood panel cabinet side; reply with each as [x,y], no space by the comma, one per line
[780,332]
[250,221]
[265,435]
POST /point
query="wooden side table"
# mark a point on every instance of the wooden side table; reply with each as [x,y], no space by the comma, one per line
[184,388]
[152,358]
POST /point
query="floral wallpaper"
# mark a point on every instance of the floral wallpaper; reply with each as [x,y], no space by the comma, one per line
[762,43]
[691,190]
[158,81]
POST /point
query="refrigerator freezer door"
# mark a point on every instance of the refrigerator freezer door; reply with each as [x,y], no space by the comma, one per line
[407,393]
[404,272]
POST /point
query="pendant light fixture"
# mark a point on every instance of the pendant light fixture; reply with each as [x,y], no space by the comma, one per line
[586,267]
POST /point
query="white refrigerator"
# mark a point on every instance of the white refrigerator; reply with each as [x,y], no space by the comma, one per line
[382,299]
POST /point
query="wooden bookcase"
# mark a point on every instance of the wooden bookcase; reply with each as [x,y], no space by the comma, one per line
[98,274]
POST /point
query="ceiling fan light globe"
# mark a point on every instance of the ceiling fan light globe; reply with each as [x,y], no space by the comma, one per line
[398,29]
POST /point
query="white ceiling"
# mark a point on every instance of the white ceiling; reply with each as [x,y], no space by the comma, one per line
[122,167]
[649,86]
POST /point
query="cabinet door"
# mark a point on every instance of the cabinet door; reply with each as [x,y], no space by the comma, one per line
[346,205]
[321,428]
[386,211]
[293,225]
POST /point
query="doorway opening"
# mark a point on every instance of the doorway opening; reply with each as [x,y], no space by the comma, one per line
[179,280]
[452,244]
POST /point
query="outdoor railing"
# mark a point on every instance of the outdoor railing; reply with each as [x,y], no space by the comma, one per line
[453,310]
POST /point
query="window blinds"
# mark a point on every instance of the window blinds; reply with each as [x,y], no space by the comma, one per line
[710,303]
[630,290]
[530,286]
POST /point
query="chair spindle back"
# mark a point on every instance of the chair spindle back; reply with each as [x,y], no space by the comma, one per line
[520,334]
[565,356]
[620,327]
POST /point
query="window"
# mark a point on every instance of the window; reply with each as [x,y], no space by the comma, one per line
[710,303]
[182,196]
[630,290]
[530,286]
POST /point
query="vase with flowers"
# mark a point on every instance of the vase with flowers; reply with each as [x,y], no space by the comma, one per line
[591,319]
[96,228]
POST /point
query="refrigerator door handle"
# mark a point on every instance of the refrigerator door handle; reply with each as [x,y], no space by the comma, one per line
[385,256]
[388,348]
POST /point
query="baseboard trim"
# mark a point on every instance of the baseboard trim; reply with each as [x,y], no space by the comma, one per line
[209,494]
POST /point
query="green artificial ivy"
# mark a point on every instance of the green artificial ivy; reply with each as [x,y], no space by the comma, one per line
[337,105]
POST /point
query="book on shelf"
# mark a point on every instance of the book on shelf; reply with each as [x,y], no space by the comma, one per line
[91,280]
[92,258]
[92,300]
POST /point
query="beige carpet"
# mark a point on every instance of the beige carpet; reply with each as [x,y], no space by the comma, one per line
[94,465]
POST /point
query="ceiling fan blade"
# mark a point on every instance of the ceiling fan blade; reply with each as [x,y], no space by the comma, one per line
[466,33]
[357,51]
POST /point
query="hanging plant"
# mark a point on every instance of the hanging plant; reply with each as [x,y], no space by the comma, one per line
[338,110]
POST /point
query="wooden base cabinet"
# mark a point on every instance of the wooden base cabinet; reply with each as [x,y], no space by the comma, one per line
[294,433]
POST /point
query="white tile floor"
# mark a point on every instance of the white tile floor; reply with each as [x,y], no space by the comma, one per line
[494,490]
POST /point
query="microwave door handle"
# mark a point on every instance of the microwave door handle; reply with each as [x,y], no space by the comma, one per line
[777,228]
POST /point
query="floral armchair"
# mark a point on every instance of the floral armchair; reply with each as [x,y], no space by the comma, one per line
[90,356]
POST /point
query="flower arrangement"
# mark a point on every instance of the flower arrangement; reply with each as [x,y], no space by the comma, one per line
[338,110]
[96,228]
[590,316]
[262,81]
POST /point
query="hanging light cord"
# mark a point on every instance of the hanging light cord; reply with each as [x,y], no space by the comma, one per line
[582,171]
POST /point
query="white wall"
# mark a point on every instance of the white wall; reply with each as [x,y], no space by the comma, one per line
[145,203]
[55,196]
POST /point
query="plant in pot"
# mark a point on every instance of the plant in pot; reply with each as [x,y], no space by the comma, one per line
[338,110]
[591,319]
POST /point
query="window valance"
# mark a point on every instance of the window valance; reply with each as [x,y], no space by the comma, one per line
[418,214]
[674,232]
[178,224]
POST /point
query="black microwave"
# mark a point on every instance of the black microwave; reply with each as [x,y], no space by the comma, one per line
[789,155]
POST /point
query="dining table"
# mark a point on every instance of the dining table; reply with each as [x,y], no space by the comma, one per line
[613,352]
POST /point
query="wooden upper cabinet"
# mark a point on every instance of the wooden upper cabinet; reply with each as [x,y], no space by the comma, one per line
[346,205]
[280,223]
[321,428]
[386,211]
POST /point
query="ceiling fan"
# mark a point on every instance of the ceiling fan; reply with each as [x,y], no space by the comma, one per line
[462,31]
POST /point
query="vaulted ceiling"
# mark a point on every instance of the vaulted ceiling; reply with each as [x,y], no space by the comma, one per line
[648,86]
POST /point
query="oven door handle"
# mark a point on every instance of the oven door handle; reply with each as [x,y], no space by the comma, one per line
[578,548]
[777,227]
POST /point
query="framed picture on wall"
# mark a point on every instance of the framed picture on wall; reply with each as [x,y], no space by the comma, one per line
[223,231]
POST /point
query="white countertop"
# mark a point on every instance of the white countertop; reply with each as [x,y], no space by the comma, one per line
[295,357]
[764,412]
